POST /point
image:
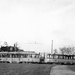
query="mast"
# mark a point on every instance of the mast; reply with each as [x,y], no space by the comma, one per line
[52,47]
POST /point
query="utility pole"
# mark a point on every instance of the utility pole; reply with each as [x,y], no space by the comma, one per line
[52,47]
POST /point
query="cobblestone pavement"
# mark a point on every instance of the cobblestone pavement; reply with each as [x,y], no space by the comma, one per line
[61,70]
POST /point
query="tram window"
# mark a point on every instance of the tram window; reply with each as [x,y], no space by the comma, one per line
[71,57]
[33,56]
[30,55]
[66,57]
[14,56]
[63,57]
[52,56]
[21,55]
[24,55]
[48,56]
[0,55]
[60,57]
[27,55]
[8,55]
[18,55]
[3,55]
[37,56]
[56,56]
[74,57]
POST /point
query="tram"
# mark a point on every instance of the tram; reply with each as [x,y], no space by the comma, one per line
[19,57]
[60,59]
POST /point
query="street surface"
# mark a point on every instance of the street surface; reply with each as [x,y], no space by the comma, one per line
[61,70]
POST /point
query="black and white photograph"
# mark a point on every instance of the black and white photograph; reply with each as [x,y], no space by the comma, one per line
[37,37]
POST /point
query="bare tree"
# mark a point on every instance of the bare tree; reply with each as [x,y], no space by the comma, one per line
[67,50]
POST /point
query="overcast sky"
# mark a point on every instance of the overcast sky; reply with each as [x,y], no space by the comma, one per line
[27,21]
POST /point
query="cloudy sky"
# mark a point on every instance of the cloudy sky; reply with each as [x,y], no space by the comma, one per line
[27,21]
